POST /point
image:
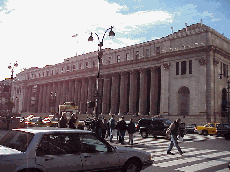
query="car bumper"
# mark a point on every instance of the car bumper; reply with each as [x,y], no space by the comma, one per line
[198,131]
[146,164]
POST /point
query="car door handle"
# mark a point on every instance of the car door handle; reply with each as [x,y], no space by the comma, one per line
[47,159]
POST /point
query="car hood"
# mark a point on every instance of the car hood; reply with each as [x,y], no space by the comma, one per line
[7,151]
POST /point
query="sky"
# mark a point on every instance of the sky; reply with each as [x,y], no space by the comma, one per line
[36,33]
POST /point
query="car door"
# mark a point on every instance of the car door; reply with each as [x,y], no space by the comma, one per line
[211,129]
[59,152]
[158,127]
[97,155]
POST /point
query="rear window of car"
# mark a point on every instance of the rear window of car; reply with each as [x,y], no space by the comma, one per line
[145,122]
[18,140]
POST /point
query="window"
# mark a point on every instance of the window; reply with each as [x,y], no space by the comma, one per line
[183,68]
[109,60]
[91,144]
[39,75]
[47,73]
[137,55]
[67,68]
[147,53]
[86,64]
[158,50]
[94,63]
[79,65]
[62,69]
[58,144]
[118,58]
[56,71]
[43,74]
[52,72]
[128,56]
[190,66]
[177,68]
[74,67]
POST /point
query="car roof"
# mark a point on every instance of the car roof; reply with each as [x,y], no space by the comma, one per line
[36,130]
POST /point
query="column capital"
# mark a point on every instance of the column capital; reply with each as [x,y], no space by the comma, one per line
[166,66]
[202,61]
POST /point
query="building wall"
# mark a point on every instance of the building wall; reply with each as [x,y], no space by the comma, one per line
[205,47]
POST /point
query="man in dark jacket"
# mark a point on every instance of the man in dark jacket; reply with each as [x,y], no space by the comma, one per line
[72,122]
[174,130]
[122,129]
[131,131]
[63,121]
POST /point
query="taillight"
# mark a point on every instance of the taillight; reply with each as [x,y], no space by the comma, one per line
[195,128]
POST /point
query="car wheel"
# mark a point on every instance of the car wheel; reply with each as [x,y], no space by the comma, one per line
[144,134]
[205,132]
[131,166]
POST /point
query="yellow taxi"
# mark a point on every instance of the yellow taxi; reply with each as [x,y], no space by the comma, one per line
[209,128]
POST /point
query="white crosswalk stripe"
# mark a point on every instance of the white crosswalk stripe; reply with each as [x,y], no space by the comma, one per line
[193,159]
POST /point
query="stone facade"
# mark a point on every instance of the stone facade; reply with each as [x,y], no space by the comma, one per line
[177,75]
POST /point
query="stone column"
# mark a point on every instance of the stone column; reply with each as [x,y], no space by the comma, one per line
[91,93]
[115,93]
[40,98]
[29,88]
[164,107]
[154,91]
[133,98]
[58,99]
[48,97]
[143,92]
[64,92]
[106,94]
[76,93]
[44,98]
[124,96]
[83,96]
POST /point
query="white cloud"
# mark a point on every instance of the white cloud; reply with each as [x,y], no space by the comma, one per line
[37,33]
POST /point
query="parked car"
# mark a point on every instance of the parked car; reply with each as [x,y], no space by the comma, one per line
[209,128]
[190,128]
[223,130]
[54,149]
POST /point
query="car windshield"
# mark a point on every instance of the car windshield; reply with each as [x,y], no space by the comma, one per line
[18,140]
[34,120]
[167,121]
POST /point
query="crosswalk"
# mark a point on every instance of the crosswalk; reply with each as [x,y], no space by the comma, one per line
[192,160]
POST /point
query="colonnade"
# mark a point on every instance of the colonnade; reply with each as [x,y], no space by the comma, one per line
[135,91]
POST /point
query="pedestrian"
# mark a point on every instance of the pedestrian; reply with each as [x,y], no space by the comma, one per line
[174,131]
[122,128]
[131,131]
[112,125]
[98,126]
[118,130]
[72,122]
[63,121]
[104,128]
[108,130]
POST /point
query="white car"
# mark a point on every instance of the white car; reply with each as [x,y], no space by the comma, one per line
[54,149]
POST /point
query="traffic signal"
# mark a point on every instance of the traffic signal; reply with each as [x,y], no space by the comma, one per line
[90,104]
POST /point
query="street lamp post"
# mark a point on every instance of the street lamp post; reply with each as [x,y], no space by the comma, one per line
[100,54]
[12,75]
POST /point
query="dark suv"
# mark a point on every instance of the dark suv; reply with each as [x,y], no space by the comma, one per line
[223,130]
[153,126]
[156,127]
